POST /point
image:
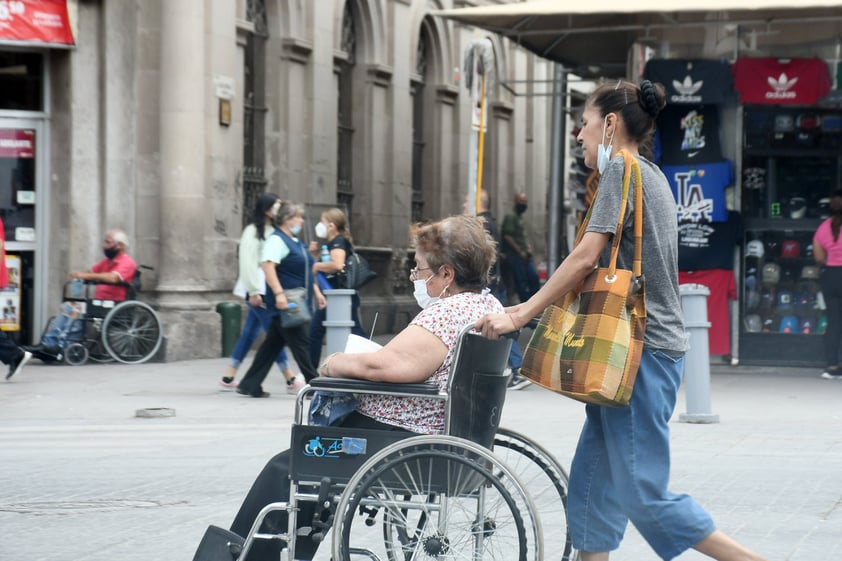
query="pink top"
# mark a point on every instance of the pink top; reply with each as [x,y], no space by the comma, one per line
[824,238]
[124,266]
[444,319]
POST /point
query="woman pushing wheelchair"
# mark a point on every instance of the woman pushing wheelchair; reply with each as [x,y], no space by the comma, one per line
[452,261]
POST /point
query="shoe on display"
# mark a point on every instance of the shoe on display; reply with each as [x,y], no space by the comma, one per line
[17,365]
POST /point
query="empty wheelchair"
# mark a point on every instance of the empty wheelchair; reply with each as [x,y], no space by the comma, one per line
[127,331]
[468,494]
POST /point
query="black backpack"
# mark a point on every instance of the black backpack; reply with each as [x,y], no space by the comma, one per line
[357,271]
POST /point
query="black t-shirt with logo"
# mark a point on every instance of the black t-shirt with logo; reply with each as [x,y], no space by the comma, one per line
[691,82]
[689,135]
[708,245]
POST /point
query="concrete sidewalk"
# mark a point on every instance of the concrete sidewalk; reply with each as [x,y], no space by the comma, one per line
[83,479]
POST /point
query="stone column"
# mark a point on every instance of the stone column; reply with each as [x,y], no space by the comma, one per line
[182,145]
[191,326]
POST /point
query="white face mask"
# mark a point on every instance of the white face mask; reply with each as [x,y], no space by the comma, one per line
[321,230]
[603,153]
[421,295]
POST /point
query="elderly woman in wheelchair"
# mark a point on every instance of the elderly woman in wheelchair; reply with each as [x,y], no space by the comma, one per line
[433,496]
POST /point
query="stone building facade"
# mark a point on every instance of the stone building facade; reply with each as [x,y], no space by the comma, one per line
[168,117]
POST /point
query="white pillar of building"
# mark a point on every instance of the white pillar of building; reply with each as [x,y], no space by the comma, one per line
[192,326]
[183,153]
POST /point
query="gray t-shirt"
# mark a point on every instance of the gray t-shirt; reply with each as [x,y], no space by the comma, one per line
[664,321]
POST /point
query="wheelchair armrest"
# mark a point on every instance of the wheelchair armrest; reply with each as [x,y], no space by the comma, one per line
[364,386]
[350,385]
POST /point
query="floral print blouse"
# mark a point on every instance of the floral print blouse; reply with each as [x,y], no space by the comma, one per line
[444,319]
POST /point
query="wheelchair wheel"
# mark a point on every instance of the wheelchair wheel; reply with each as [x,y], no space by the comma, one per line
[546,482]
[436,498]
[132,332]
[76,354]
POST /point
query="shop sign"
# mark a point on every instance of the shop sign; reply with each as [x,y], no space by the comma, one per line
[17,143]
[37,21]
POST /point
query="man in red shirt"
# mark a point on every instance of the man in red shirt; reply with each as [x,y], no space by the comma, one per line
[114,268]
[109,274]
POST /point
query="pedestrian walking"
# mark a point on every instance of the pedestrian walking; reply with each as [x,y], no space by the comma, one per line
[620,471]
[827,251]
[251,285]
[518,251]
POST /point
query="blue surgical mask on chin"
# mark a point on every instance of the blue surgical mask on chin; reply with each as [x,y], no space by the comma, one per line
[603,153]
[295,230]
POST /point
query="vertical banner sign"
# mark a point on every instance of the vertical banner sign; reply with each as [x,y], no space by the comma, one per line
[10,296]
[37,21]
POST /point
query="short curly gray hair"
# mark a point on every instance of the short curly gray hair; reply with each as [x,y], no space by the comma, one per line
[289,210]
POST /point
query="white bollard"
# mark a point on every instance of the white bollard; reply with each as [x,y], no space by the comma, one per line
[697,359]
[339,321]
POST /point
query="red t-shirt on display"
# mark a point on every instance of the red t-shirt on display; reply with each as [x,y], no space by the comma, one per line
[772,81]
[723,288]
[124,266]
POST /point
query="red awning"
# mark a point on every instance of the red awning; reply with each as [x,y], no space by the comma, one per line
[37,22]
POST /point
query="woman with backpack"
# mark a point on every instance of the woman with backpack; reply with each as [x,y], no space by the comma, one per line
[333,228]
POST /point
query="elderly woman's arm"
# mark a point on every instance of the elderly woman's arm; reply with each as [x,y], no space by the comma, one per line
[412,356]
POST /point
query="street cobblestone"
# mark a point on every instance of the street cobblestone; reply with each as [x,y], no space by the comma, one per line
[83,479]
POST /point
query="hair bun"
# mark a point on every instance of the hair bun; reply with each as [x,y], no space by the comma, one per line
[652,98]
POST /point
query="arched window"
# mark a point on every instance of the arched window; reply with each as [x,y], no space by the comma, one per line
[417,84]
[345,125]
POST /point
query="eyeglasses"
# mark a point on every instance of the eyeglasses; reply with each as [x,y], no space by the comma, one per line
[413,273]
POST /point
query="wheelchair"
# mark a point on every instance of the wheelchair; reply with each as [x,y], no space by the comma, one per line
[129,331]
[476,492]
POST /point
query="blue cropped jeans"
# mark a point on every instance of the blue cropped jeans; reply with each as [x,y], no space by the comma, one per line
[622,466]
[257,320]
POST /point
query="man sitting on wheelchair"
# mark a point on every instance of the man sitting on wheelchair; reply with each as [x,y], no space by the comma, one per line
[112,274]
[452,261]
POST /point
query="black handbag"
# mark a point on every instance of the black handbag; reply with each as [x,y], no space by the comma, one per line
[357,271]
[219,544]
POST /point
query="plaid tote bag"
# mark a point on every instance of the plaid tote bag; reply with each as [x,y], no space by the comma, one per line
[587,345]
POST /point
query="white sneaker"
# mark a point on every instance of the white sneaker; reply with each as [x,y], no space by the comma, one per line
[834,375]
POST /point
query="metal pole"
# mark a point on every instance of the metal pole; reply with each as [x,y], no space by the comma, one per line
[339,322]
[697,361]
[557,150]
[481,149]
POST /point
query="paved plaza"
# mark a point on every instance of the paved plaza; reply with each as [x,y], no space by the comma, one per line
[84,479]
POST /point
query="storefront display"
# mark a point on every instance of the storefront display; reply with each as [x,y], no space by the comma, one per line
[791,164]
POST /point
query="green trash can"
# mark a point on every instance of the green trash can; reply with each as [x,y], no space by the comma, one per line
[232,316]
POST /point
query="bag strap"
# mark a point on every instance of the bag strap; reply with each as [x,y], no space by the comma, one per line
[630,165]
